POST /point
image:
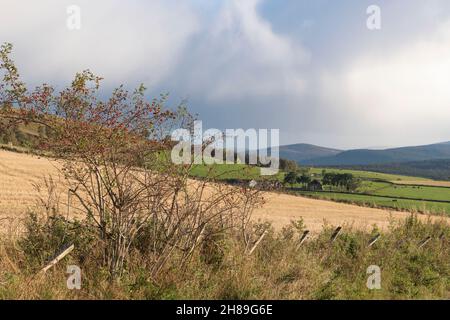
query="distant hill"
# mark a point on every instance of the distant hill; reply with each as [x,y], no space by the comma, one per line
[394,155]
[302,152]
[434,169]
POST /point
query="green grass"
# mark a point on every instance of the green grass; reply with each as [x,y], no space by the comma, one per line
[369,175]
[226,171]
[405,191]
[383,202]
[231,171]
[389,195]
[245,172]
[376,189]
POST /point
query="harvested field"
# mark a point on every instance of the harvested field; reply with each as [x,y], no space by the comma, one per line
[19,172]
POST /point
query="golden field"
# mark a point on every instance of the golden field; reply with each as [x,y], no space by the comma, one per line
[19,173]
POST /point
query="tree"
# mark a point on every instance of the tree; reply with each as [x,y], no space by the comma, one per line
[353,184]
[290,178]
[341,180]
[329,179]
[288,165]
[115,158]
[304,180]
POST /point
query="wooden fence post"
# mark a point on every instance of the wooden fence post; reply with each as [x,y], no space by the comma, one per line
[424,242]
[303,238]
[257,242]
[374,239]
[335,234]
[58,258]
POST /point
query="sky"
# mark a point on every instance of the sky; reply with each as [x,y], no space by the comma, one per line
[312,69]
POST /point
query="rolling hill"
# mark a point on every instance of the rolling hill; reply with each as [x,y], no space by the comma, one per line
[438,169]
[303,152]
[371,157]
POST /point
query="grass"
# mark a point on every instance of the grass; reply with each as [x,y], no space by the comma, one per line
[278,269]
[245,172]
[383,202]
[405,191]
[226,171]
[384,194]
[367,175]
[376,189]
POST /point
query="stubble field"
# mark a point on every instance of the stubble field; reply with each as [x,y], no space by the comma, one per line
[19,174]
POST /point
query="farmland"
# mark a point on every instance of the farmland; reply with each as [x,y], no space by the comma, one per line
[19,173]
[381,190]
[390,191]
[278,269]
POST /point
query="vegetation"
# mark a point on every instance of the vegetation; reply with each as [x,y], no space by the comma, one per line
[431,207]
[386,156]
[114,161]
[438,169]
[344,181]
[145,230]
[351,186]
[222,268]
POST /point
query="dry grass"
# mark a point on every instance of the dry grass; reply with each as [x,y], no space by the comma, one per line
[20,172]
[221,268]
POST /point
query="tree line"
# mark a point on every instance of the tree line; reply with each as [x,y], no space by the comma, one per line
[340,181]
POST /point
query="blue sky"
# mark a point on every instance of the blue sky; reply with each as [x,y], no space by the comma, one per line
[309,68]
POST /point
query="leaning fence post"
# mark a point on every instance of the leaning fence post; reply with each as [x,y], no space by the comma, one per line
[257,242]
[58,258]
[424,242]
[374,239]
[303,238]
[335,234]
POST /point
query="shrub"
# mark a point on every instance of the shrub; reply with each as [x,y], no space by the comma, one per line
[45,237]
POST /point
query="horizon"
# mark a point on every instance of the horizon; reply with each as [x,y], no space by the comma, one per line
[367,148]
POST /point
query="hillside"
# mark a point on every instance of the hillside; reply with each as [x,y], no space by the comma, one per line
[303,151]
[394,155]
[19,172]
[434,169]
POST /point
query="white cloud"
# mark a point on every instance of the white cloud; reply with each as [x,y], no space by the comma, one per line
[240,56]
[402,93]
[136,41]
[228,58]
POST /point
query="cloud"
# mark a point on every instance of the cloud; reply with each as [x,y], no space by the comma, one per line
[124,43]
[402,93]
[240,56]
[249,63]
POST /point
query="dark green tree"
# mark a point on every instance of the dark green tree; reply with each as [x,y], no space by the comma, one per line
[290,178]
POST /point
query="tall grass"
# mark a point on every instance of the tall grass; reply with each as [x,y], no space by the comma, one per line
[221,267]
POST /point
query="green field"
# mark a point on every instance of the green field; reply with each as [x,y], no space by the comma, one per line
[245,172]
[226,171]
[376,189]
[405,191]
[383,202]
[369,175]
